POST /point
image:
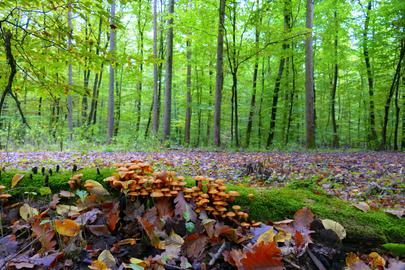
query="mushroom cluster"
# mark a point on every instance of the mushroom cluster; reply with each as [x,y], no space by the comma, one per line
[137,179]
[3,196]
[211,196]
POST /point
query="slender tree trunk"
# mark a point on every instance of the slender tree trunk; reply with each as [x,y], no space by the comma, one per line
[70,75]
[373,133]
[253,98]
[335,140]
[395,80]
[309,79]
[397,110]
[275,101]
[219,75]
[86,77]
[156,102]
[111,74]
[96,77]
[260,124]
[168,74]
[292,96]
[40,106]
[188,98]
[209,115]
[403,114]
[138,104]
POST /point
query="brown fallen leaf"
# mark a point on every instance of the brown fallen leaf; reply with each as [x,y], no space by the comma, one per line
[363,206]
[67,227]
[16,179]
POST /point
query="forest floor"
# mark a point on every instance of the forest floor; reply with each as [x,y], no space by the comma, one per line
[363,191]
[376,178]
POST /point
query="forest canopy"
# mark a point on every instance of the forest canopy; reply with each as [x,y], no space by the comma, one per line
[200,73]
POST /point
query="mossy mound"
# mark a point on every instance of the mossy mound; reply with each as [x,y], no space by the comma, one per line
[369,229]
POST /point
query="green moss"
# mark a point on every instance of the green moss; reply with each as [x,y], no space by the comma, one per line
[274,204]
[58,181]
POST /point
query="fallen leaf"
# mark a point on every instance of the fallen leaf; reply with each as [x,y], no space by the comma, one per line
[98,265]
[27,212]
[16,178]
[376,260]
[263,256]
[107,258]
[363,206]
[396,212]
[45,234]
[67,227]
[334,226]
[303,218]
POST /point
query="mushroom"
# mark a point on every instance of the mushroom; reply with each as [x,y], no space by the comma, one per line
[245,225]
[230,214]
[236,208]
[251,196]
[4,196]
[2,187]
[156,194]
[256,224]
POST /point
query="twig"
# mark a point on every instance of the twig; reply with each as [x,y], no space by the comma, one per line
[296,266]
[216,255]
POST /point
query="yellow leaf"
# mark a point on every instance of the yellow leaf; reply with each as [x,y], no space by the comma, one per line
[334,226]
[16,178]
[282,236]
[129,241]
[376,260]
[67,227]
[107,258]
[27,212]
[351,259]
[267,237]
[67,210]
[95,188]
[98,265]
[137,261]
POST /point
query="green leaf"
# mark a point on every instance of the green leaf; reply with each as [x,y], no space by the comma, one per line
[190,227]
[44,191]
[396,249]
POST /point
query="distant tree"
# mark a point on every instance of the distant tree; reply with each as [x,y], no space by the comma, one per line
[111,74]
[309,78]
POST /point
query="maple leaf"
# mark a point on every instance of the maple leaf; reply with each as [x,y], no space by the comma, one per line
[67,227]
[45,234]
[263,257]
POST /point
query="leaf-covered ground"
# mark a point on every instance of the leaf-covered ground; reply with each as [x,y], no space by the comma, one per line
[376,178]
[141,219]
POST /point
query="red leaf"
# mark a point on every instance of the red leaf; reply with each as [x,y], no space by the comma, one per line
[164,207]
[303,218]
[45,234]
[262,257]
[113,217]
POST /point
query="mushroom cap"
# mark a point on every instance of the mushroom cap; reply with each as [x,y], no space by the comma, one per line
[4,196]
[245,225]
[180,178]
[187,196]
[174,192]
[133,193]
[256,224]
[230,214]
[195,188]
[236,207]
[203,201]
[221,209]
[188,190]
[213,191]
[2,187]
[205,196]
[222,188]
[199,178]
[182,184]
[222,194]
[233,193]
[220,181]
[165,189]
[209,208]
[156,194]
[219,203]
[144,193]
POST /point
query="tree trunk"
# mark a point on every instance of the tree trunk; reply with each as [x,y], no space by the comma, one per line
[395,80]
[156,103]
[188,106]
[397,110]
[70,78]
[219,75]
[373,133]
[111,74]
[335,140]
[138,105]
[309,78]
[168,74]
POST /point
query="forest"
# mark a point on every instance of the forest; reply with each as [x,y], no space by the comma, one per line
[236,74]
[202,134]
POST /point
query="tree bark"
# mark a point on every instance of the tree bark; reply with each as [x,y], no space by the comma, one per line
[373,133]
[395,81]
[335,139]
[156,103]
[111,74]
[309,78]
[168,73]
[70,75]
[188,98]
[219,75]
